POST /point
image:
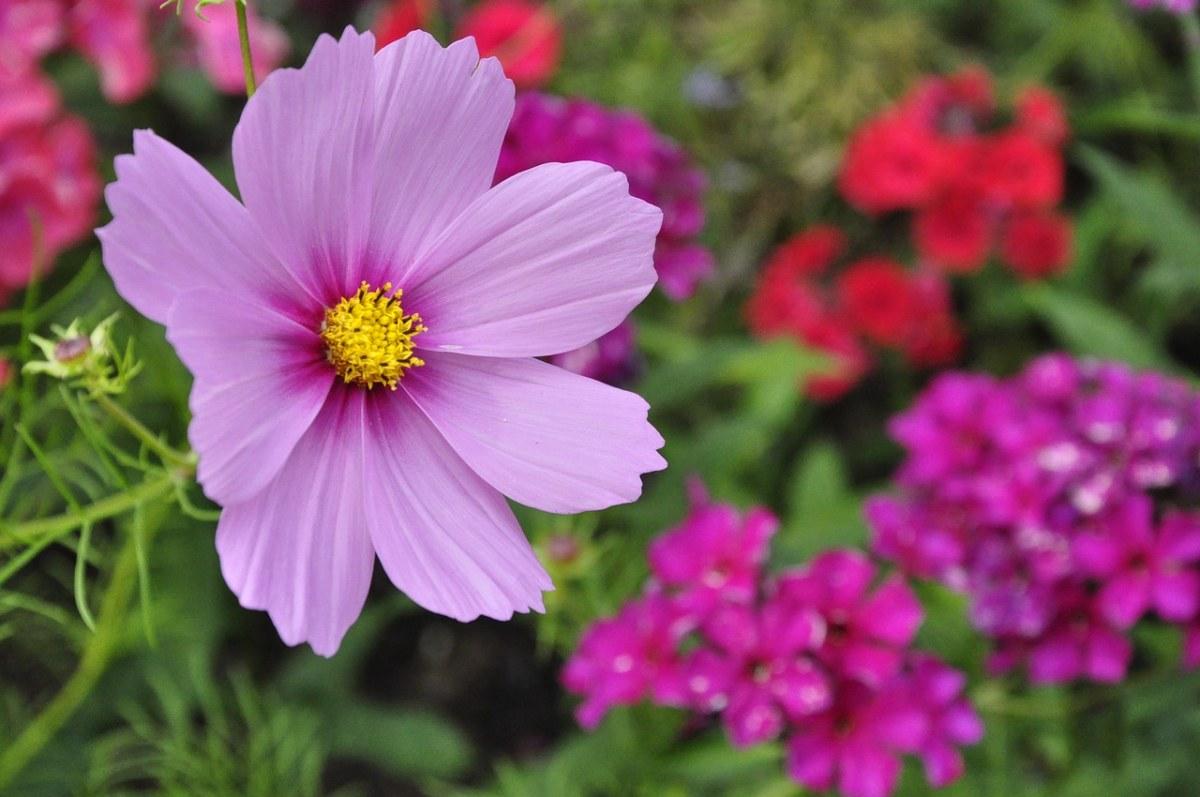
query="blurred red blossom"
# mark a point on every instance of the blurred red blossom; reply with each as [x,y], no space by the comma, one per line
[938,154]
[49,186]
[524,35]
[116,36]
[1037,245]
[400,18]
[838,311]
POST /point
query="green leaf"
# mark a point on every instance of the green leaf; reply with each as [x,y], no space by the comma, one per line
[1154,212]
[404,742]
[1089,328]
[822,510]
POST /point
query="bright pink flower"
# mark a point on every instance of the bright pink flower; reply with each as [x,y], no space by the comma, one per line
[114,35]
[29,29]
[48,193]
[856,745]
[288,310]
[27,97]
[525,36]
[218,46]
[867,630]
[625,659]
[1142,568]
[714,555]
[611,358]
[951,720]
[771,678]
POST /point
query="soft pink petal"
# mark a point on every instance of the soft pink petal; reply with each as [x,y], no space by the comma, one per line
[305,160]
[867,770]
[440,117]
[1107,655]
[943,763]
[543,436]
[445,537]
[752,716]
[548,260]
[113,35]
[300,549]
[175,229]
[260,380]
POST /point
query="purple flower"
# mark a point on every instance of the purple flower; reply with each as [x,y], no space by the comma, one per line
[363,333]
[624,659]
[763,658]
[714,555]
[1049,499]
[856,745]
[547,129]
[951,720]
[866,632]
[609,358]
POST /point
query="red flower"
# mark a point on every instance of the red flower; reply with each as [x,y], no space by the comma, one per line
[1040,113]
[955,232]
[850,361]
[956,105]
[1021,171]
[807,254]
[525,36]
[892,163]
[1037,245]
[401,18]
[781,306]
[877,296]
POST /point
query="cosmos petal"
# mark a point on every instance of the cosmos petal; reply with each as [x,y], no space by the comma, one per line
[304,154]
[243,355]
[440,117]
[175,228]
[543,436]
[300,548]
[545,262]
[445,537]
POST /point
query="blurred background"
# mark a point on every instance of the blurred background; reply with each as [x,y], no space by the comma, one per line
[773,359]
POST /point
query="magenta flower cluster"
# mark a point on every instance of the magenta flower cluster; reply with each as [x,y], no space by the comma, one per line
[1056,500]
[547,129]
[820,656]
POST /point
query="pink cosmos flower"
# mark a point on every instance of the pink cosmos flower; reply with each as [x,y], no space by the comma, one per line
[364,329]
[218,47]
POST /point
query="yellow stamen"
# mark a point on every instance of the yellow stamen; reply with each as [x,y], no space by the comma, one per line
[369,339]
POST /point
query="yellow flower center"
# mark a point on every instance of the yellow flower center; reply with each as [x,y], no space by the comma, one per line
[368,338]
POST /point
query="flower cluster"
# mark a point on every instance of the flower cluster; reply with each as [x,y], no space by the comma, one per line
[819,655]
[49,186]
[546,129]
[115,36]
[872,301]
[524,35]
[1056,500]
[968,183]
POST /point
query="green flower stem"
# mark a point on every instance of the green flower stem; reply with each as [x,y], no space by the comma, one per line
[159,486]
[99,650]
[244,35]
[138,430]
